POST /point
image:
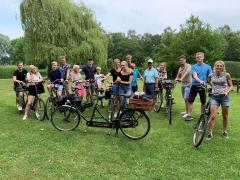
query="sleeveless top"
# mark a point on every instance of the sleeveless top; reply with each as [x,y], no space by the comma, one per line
[76,76]
[219,83]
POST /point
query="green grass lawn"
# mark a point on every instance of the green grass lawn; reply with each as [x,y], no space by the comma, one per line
[35,150]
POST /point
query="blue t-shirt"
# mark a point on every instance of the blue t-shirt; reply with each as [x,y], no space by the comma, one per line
[202,70]
[150,75]
[136,74]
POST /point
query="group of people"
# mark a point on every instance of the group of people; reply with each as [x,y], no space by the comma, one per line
[194,80]
[125,77]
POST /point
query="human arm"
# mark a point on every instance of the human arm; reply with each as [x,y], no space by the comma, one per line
[230,84]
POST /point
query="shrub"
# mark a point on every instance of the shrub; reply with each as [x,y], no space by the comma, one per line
[6,71]
[233,68]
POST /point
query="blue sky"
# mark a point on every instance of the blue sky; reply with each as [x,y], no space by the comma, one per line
[150,16]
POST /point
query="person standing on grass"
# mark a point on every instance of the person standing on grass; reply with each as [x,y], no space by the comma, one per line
[32,77]
[200,73]
[150,80]
[221,83]
[115,86]
[185,77]
[89,70]
[19,79]
[65,68]
[136,75]
[124,79]
[162,73]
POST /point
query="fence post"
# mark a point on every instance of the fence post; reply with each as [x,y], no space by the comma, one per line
[238,86]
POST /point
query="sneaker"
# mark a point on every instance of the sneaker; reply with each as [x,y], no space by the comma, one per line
[185,116]
[183,113]
[37,115]
[188,118]
[209,137]
[19,108]
[24,117]
[225,135]
[162,106]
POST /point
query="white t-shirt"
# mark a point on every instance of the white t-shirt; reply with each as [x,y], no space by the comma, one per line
[33,77]
[98,78]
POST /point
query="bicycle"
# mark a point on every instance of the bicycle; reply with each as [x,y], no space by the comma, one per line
[23,98]
[158,98]
[133,123]
[169,85]
[51,102]
[38,105]
[90,88]
[202,123]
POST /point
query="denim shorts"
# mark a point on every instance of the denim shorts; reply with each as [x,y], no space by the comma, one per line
[124,89]
[185,91]
[59,86]
[115,89]
[220,100]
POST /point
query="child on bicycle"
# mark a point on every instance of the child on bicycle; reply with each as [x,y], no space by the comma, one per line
[56,79]
[32,77]
[77,80]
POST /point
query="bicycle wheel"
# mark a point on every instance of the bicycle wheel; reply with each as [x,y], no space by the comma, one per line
[169,110]
[39,108]
[49,107]
[134,124]
[65,118]
[200,130]
[159,101]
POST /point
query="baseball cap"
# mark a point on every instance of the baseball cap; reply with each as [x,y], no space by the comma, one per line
[90,58]
[150,61]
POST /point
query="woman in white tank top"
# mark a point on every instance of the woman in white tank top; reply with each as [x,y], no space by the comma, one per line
[221,83]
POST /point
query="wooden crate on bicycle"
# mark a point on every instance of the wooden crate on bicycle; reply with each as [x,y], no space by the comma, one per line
[142,104]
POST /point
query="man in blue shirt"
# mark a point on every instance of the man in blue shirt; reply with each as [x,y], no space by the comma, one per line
[150,79]
[200,73]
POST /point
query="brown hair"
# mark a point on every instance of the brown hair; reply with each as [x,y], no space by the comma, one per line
[182,56]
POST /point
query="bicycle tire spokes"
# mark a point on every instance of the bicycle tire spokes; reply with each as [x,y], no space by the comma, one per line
[134,124]
[65,118]
[200,130]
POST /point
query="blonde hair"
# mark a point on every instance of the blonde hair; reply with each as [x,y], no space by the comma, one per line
[164,64]
[76,66]
[221,62]
[98,68]
[200,53]
[129,70]
[32,67]
[54,63]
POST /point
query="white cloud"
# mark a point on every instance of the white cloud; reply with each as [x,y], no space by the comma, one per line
[143,15]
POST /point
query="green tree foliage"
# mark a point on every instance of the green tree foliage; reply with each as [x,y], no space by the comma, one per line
[17,50]
[5,47]
[194,36]
[120,45]
[231,43]
[61,27]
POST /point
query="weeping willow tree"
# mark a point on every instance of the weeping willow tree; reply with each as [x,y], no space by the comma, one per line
[61,27]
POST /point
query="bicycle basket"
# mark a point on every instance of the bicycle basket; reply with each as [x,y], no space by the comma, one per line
[142,104]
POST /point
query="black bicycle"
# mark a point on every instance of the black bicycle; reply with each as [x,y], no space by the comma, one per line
[21,100]
[169,85]
[158,98]
[38,105]
[202,124]
[51,102]
[133,123]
